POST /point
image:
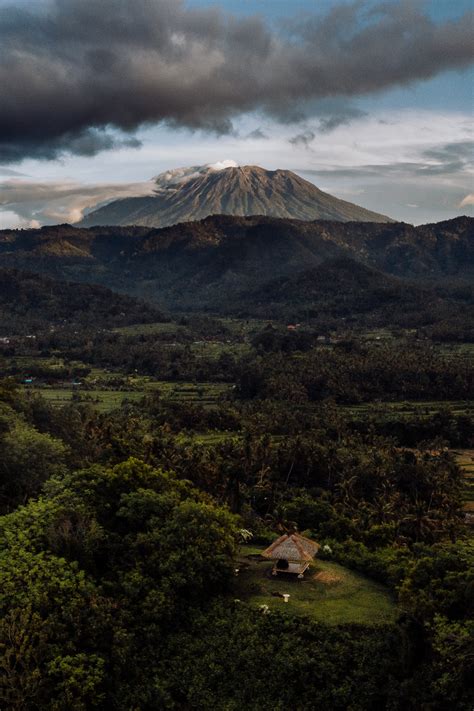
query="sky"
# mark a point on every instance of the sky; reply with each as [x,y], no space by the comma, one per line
[370,100]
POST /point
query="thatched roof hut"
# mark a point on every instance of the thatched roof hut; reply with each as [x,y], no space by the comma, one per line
[292,553]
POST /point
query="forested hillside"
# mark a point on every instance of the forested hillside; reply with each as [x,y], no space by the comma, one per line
[213,263]
[31,302]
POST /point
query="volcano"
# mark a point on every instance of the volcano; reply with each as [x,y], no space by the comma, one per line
[189,194]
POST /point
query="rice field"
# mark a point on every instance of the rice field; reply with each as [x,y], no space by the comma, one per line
[102,400]
[465,459]
[407,409]
[150,329]
[106,400]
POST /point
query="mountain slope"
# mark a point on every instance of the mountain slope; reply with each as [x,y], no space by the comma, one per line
[201,264]
[196,193]
[31,303]
[345,289]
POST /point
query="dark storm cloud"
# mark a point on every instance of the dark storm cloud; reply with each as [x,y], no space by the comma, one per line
[342,118]
[332,113]
[303,139]
[257,134]
[87,142]
[72,69]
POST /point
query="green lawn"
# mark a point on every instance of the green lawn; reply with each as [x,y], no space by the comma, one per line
[329,593]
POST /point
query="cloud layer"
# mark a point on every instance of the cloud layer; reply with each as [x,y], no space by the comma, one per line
[411,165]
[34,203]
[71,70]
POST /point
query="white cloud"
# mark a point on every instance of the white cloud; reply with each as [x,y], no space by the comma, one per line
[10,219]
[468,200]
[30,203]
[170,179]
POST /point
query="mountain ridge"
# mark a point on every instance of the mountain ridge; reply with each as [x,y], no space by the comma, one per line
[203,264]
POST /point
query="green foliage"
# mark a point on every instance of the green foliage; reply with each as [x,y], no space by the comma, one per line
[239,658]
[95,575]
[453,661]
[440,580]
[353,373]
[50,616]
[27,459]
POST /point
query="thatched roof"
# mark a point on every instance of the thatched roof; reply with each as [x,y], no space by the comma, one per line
[292,547]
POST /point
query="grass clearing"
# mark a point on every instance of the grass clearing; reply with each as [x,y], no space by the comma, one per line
[329,592]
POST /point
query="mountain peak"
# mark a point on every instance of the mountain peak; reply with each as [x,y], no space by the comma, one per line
[195,192]
[175,177]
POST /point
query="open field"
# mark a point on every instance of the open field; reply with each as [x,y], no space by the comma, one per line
[237,327]
[102,400]
[150,328]
[24,362]
[407,409]
[214,349]
[101,385]
[210,438]
[457,349]
[465,459]
[105,400]
[329,593]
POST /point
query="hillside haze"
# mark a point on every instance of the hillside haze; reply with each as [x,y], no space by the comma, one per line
[188,194]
